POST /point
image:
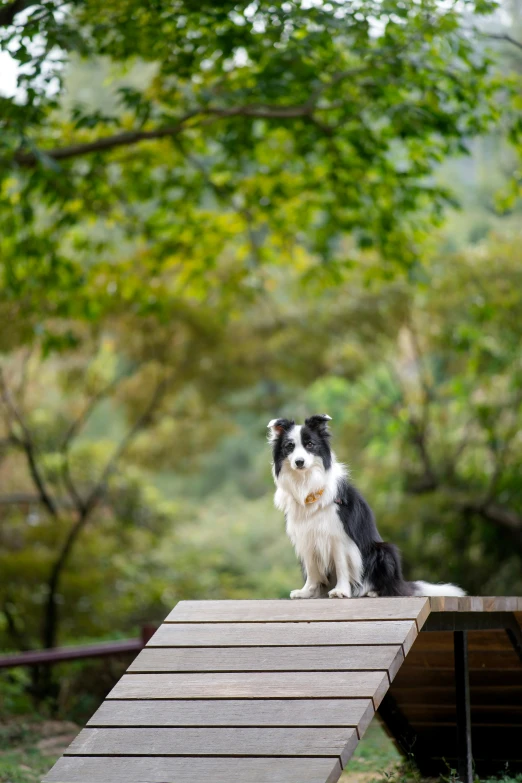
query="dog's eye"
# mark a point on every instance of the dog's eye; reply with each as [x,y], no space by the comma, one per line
[309,445]
[289,448]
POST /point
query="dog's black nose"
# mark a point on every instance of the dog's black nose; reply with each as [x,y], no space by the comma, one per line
[299,463]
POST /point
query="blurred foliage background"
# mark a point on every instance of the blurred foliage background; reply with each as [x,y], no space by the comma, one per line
[215,213]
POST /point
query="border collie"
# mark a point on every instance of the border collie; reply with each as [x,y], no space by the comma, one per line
[330,524]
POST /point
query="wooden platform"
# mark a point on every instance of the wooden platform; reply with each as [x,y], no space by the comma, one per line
[282,691]
[420,707]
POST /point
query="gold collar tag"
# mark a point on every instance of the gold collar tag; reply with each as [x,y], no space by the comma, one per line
[313,496]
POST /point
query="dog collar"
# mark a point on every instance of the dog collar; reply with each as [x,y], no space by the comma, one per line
[313,496]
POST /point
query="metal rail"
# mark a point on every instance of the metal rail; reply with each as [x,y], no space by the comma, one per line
[78,652]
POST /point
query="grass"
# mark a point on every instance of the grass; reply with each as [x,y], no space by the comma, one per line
[377,759]
[29,747]
[24,766]
[374,754]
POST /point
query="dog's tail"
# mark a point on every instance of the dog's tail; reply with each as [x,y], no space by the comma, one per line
[384,573]
[429,589]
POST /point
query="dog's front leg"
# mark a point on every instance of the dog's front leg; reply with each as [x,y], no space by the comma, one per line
[343,588]
[312,586]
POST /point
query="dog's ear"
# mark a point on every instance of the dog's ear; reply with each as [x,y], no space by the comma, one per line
[277,427]
[319,423]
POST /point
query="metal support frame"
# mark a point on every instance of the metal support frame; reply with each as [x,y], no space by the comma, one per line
[465,755]
[515,637]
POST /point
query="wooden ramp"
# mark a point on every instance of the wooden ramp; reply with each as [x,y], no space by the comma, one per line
[282,691]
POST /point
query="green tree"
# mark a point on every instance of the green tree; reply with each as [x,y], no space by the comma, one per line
[227,216]
[257,130]
[64,476]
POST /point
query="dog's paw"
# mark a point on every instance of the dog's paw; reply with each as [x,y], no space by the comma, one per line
[300,594]
[372,594]
[339,593]
[313,593]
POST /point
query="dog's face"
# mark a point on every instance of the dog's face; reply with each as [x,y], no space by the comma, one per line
[301,446]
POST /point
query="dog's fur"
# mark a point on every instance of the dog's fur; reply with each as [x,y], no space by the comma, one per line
[330,524]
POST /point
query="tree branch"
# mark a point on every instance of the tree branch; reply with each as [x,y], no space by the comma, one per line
[418,438]
[418,432]
[15,632]
[499,516]
[207,116]
[500,453]
[29,159]
[504,37]
[502,516]
[4,446]
[24,375]
[27,444]
[124,444]
[71,433]
[49,631]
[70,486]
[451,465]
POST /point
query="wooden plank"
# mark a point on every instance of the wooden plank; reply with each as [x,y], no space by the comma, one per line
[349,748]
[283,634]
[423,615]
[294,611]
[366,718]
[77,769]
[469,621]
[410,639]
[438,694]
[204,741]
[245,685]
[478,659]
[230,659]
[476,604]
[396,665]
[477,640]
[230,712]
[481,715]
[416,676]
[501,603]
[381,692]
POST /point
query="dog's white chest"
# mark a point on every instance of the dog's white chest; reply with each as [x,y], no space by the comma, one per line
[316,534]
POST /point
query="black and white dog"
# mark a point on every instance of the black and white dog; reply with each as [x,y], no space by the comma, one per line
[330,524]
